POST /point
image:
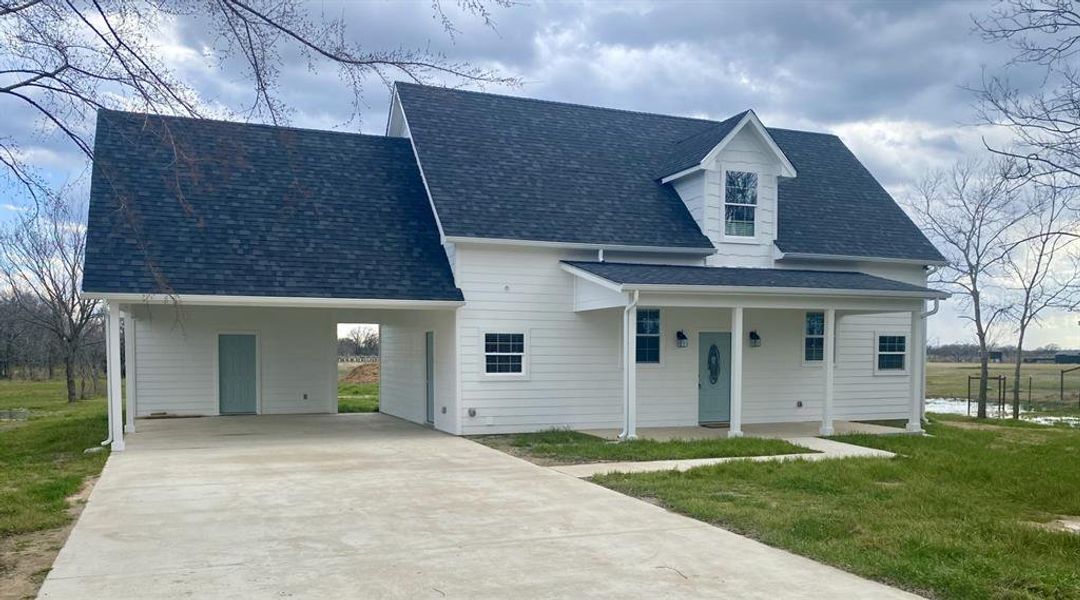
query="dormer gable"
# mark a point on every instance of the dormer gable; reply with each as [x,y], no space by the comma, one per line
[702,149]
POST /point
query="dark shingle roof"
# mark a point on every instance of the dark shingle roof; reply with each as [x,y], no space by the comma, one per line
[835,206]
[689,152]
[524,169]
[646,274]
[208,207]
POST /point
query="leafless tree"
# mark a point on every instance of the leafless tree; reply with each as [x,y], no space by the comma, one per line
[41,262]
[1045,124]
[970,213]
[64,59]
[1042,267]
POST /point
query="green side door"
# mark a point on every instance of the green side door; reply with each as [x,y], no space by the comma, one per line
[237,372]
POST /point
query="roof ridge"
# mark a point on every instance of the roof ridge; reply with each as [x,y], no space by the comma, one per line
[246,124]
[561,103]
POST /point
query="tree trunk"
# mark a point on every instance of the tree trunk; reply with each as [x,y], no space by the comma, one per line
[1016,374]
[69,376]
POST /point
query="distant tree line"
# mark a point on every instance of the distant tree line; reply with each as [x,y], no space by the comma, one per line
[360,341]
[971,353]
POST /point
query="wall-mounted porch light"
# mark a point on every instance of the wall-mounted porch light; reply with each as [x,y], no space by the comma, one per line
[755,339]
[681,340]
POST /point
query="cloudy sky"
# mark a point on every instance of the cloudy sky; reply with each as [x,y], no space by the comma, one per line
[889,78]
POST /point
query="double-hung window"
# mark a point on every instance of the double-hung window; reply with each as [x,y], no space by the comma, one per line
[891,353]
[504,353]
[740,203]
[814,337]
[648,335]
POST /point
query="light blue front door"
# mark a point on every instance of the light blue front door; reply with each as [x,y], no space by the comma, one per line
[237,372]
[714,377]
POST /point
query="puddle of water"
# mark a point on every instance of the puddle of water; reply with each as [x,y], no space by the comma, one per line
[959,406]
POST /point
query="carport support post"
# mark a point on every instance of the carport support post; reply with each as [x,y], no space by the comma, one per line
[735,426]
[129,370]
[827,405]
[917,355]
[112,365]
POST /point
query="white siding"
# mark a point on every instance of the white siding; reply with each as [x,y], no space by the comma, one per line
[177,353]
[402,388]
[176,356]
[573,359]
[574,376]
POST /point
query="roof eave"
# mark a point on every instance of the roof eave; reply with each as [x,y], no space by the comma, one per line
[854,258]
[703,251]
[271,301]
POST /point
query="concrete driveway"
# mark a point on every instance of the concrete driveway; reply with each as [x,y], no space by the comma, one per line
[367,506]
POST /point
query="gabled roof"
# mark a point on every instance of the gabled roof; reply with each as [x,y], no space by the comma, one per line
[630,276]
[701,148]
[198,207]
[502,167]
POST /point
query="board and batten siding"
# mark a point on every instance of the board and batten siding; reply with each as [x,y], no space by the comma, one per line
[177,354]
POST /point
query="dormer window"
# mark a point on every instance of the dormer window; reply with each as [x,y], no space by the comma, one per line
[740,203]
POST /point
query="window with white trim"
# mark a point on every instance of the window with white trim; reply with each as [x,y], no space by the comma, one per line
[648,335]
[891,353]
[814,337]
[740,203]
[504,353]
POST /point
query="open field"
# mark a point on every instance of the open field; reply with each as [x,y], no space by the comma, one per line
[42,464]
[357,396]
[949,380]
[970,512]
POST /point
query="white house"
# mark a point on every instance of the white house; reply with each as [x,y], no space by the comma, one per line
[531,264]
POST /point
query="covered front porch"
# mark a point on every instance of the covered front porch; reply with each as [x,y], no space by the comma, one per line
[743,351]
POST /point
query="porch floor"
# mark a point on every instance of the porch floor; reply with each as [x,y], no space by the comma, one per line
[765,430]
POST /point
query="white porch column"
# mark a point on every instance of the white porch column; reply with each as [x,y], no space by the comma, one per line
[630,370]
[827,405]
[735,426]
[112,365]
[917,356]
[130,393]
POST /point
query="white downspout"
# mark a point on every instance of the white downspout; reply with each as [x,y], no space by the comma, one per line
[629,362]
[922,384]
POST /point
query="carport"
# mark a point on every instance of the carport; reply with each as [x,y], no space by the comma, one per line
[229,251]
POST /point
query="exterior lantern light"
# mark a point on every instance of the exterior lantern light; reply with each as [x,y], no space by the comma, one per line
[681,340]
[755,339]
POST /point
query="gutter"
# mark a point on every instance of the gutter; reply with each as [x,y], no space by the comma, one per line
[629,431]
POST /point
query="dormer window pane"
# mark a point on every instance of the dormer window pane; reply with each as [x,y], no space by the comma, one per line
[740,203]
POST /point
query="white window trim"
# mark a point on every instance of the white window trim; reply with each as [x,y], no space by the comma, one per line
[802,341]
[524,374]
[907,353]
[737,239]
[663,350]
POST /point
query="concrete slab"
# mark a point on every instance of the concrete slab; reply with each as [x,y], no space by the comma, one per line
[350,506]
[765,430]
[823,450]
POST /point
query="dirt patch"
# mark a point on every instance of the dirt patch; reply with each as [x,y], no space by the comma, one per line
[363,373]
[26,558]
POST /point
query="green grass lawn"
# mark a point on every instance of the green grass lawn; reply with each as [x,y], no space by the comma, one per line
[568,447]
[949,380]
[358,397]
[41,459]
[951,517]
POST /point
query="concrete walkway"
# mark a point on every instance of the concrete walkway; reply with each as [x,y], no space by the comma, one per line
[367,506]
[825,450]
